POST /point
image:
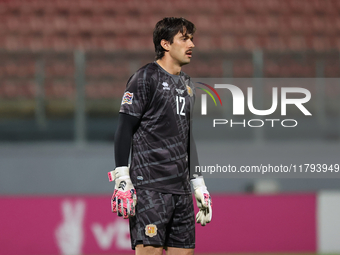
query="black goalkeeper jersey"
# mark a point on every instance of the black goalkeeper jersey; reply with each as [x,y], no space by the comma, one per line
[163,103]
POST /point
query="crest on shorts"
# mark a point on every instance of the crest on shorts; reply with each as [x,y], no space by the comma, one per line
[151,230]
[189,89]
[127,98]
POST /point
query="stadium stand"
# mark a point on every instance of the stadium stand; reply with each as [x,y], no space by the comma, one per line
[227,29]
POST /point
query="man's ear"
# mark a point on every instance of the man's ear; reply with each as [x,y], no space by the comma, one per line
[165,44]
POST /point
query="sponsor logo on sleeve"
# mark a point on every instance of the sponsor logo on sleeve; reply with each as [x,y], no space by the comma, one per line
[127,98]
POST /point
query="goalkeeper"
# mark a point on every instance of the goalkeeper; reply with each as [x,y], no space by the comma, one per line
[154,192]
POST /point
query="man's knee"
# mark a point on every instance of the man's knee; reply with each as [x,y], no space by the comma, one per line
[179,251]
[148,250]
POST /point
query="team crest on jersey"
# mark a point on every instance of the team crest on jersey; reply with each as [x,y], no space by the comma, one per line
[189,89]
[151,230]
[127,98]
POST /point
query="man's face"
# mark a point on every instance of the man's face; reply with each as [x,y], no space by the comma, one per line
[181,48]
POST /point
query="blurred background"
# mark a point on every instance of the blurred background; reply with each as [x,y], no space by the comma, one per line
[64,67]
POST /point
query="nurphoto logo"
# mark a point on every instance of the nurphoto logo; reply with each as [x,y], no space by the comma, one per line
[238,99]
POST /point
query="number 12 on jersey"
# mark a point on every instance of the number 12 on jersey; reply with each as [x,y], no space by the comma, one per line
[180,103]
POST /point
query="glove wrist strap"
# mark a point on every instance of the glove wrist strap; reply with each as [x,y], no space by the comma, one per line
[198,182]
[118,172]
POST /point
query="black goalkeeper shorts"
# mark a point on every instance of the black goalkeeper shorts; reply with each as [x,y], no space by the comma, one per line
[166,220]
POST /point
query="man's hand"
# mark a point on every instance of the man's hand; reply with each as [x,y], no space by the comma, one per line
[203,200]
[124,197]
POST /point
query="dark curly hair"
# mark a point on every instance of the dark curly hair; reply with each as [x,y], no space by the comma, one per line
[166,29]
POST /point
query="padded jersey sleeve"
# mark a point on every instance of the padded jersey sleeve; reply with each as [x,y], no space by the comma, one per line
[137,95]
[193,157]
[127,126]
[134,103]
[192,149]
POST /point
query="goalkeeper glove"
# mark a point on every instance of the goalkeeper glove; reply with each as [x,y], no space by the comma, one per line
[203,200]
[124,198]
